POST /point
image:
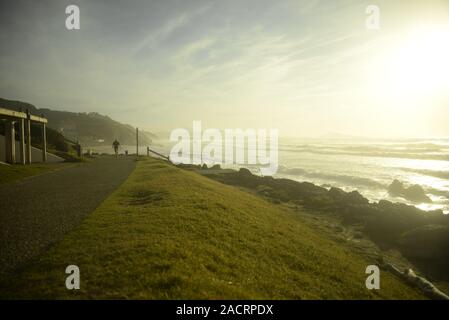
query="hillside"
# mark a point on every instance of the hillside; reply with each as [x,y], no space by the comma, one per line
[169,233]
[88,128]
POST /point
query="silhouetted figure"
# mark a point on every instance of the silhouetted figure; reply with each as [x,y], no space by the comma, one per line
[115,145]
[126,152]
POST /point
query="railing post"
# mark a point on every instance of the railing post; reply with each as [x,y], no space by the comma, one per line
[22,140]
[137,141]
[10,142]
[44,144]
[28,137]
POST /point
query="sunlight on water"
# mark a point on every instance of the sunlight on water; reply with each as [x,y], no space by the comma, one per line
[436,165]
[370,166]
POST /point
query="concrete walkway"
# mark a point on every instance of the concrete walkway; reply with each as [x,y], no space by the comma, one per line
[37,211]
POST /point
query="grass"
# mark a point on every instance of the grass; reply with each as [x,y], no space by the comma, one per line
[9,173]
[168,233]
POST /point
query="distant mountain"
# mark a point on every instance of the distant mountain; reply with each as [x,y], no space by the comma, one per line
[87,128]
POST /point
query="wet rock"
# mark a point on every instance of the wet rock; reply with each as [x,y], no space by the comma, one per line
[244,172]
[413,193]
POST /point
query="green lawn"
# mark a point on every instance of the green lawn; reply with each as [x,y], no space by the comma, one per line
[167,233]
[10,173]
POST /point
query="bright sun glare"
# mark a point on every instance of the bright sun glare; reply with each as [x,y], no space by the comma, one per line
[419,67]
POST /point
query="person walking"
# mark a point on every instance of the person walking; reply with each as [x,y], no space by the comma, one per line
[115,145]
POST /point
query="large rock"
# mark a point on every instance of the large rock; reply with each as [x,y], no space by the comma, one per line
[413,193]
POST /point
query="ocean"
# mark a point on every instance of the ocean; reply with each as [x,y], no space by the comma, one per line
[368,166]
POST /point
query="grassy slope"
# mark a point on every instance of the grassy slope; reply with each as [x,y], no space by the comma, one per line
[170,233]
[11,173]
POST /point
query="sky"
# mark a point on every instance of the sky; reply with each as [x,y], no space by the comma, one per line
[307,68]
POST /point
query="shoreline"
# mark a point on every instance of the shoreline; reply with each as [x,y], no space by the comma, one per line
[383,194]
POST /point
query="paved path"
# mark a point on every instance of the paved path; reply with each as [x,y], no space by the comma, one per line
[37,211]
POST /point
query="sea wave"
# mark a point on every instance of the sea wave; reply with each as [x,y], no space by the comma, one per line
[379,154]
[436,149]
[437,174]
[349,180]
[437,192]
[420,147]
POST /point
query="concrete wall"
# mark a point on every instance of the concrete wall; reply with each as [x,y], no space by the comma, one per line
[36,154]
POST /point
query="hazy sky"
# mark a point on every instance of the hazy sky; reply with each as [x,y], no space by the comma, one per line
[305,67]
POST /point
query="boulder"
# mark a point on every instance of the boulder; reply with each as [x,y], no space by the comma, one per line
[413,193]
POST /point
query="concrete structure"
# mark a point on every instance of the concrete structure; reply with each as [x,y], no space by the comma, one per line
[36,153]
[24,120]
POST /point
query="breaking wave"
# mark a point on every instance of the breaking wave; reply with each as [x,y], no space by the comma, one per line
[343,179]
